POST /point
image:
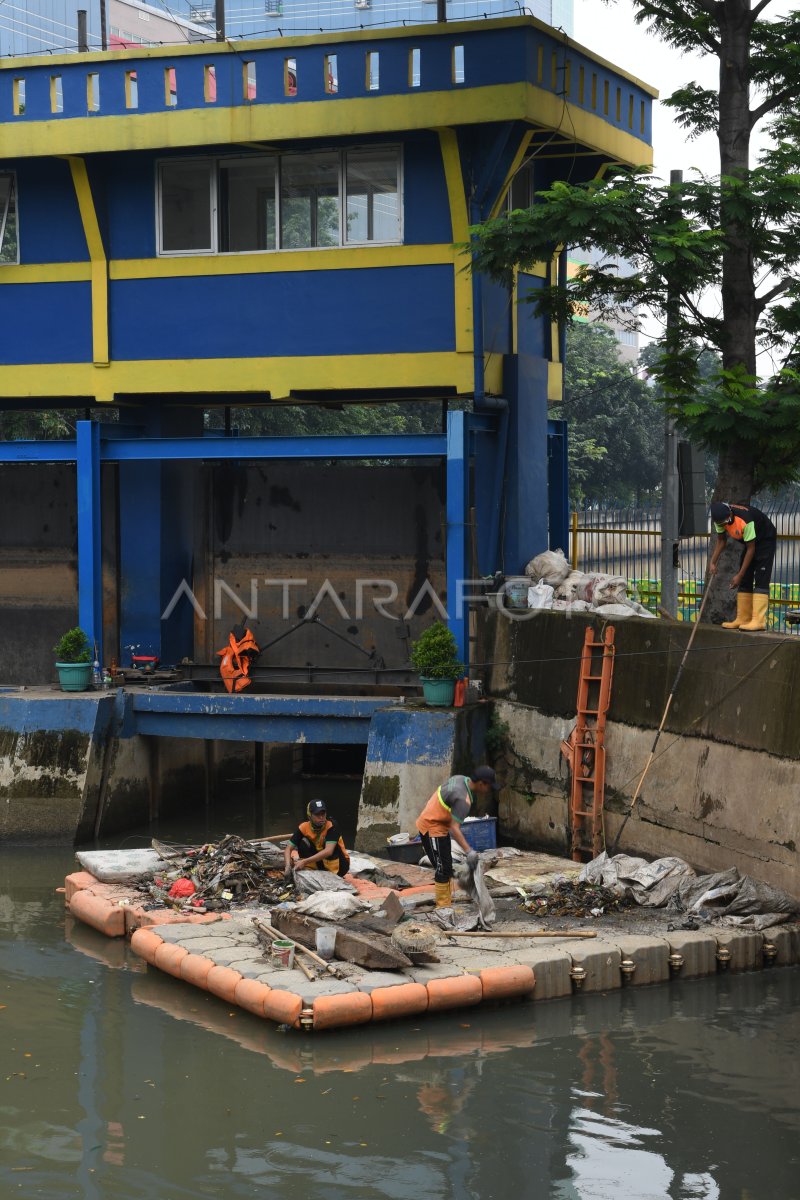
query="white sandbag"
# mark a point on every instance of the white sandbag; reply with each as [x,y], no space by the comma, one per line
[309,881]
[601,589]
[573,605]
[550,566]
[540,595]
[567,588]
[331,906]
[622,610]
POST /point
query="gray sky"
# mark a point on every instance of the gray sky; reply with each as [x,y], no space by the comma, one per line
[610,30]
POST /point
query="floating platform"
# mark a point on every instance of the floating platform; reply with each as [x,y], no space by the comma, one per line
[220,953]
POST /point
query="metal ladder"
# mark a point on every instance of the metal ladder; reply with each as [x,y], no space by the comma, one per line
[585,749]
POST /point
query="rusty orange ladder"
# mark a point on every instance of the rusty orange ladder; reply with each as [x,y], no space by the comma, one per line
[585,748]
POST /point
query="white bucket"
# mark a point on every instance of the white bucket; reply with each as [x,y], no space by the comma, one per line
[326,941]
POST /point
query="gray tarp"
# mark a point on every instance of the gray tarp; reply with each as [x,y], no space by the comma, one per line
[671,883]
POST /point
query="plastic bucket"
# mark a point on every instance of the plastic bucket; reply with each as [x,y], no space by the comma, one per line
[325,939]
[283,953]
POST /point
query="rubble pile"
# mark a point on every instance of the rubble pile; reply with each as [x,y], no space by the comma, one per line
[574,898]
[231,873]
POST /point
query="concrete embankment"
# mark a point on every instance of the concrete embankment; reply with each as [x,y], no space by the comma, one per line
[722,790]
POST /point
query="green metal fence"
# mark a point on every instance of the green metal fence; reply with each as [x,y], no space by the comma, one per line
[627,542]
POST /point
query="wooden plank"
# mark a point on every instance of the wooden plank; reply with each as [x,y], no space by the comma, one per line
[371,950]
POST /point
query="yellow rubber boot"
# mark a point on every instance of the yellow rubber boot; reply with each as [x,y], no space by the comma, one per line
[443,895]
[744,611]
[759,618]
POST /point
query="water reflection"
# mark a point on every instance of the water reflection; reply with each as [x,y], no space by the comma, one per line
[120,1083]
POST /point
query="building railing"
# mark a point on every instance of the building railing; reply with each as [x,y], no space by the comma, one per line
[627,542]
[329,67]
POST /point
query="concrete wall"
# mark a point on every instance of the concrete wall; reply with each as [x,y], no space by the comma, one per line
[723,787]
[411,750]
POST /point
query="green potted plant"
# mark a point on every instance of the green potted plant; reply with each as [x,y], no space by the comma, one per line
[434,656]
[73,661]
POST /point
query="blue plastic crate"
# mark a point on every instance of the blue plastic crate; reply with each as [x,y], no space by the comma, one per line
[481,833]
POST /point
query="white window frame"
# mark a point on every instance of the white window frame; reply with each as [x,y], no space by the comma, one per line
[12,191]
[215,161]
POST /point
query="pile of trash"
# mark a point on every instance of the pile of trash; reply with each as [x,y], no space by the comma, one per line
[725,897]
[219,876]
[576,898]
[555,585]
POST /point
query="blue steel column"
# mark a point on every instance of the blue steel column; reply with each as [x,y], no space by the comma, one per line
[558,485]
[456,509]
[90,584]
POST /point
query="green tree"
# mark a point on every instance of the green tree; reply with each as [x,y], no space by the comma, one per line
[733,239]
[615,426]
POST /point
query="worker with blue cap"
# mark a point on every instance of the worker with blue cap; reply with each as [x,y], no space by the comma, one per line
[757,535]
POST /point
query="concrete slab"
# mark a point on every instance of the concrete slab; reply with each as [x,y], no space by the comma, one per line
[786,940]
[425,972]
[120,866]
[600,960]
[650,957]
[372,980]
[236,954]
[182,933]
[698,951]
[745,947]
[196,945]
[551,966]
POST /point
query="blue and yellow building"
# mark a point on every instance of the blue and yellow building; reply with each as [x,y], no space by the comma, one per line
[204,226]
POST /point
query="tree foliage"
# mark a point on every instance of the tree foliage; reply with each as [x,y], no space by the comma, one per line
[615,425]
[719,255]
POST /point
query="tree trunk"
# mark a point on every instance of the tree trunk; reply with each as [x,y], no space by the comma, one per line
[736,463]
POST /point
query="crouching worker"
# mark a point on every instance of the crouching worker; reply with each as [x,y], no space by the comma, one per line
[317,844]
[441,819]
[757,536]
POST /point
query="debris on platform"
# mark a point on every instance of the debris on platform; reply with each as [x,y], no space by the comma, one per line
[220,875]
[725,896]
[576,898]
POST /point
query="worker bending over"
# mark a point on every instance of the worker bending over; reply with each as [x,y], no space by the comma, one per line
[441,819]
[753,528]
[316,844]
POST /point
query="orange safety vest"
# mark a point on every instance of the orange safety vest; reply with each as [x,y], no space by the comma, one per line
[436,817]
[736,529]
[236,661]
[317,839]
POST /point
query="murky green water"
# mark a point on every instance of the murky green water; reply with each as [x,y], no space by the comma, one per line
[117,1082]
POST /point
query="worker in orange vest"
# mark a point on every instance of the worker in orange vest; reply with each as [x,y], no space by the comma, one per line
[317,844]
[441,819]
[757,535]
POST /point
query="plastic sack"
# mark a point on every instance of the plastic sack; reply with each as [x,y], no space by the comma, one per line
[601,589]
[309,881]
[540,596]
[550,567]
[331,906]
[566,589]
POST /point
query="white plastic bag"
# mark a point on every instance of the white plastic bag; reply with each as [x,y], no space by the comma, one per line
[540,596]
[550,566]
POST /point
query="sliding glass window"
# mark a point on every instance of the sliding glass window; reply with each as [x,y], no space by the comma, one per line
[247,204]
[310,214]
[373,199]
[279,202]
[9,244]
[186,204]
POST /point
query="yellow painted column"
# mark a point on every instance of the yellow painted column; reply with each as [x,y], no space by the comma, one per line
[97,258]
[462,277]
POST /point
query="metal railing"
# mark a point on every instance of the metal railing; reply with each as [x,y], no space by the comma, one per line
[627,542]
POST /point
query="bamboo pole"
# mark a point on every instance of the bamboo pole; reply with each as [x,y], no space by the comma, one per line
[525,933]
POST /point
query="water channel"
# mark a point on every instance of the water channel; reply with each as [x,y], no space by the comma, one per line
[120,1083]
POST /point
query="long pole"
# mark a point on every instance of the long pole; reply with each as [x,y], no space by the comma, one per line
[670,515]
[219,19]
[660,729]
[83,40]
